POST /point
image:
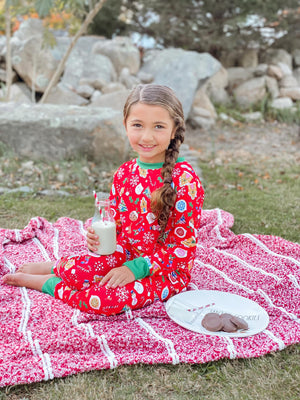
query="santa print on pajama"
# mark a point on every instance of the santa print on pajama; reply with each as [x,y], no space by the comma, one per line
[166,265]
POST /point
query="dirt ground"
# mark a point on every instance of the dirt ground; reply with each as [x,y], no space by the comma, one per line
[270,143]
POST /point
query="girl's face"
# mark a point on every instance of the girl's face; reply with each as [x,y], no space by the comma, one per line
[149,129]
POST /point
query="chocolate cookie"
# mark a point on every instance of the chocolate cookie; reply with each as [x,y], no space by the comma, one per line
[239,322]
[212,322]
[227,324]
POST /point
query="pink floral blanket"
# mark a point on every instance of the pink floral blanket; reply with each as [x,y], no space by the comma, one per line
[42,338]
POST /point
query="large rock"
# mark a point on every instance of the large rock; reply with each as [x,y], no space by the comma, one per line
[282,103]
[122,53]
[237,76]
[2,47]
[272,87]
[215,87]
[95,69]
[288,81]
[275,56]
[19,93]
[29,28]
[292,92]
[3,77]
[63,95]
[53,132]
[203,113]
[296,74]
[114,100]
[183,71]
[34,63]
[249,58]
[250,92]
[296,57]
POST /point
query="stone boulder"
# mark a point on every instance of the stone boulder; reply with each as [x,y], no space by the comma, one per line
[288,81]
[275,56]
[63,95]
[275,71]
[203,113]
[183,71]
[3,78]
[260,70]
[282,103]
[122,53]
[215,87]
[296,74]
[61,132]
[296,57]
[84,67]
[34,63]
[249,58]
[250,92]
[2,48]
[292,92]
[237,76]
[272,87]
[19,93]
[114,100]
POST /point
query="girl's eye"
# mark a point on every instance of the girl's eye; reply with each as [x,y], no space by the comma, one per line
[159,127]
[137,125]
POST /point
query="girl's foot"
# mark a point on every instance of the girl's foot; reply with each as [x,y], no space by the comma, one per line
[27,280]
[40,268]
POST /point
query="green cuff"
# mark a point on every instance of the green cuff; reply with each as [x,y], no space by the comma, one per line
[139,267]
[49,285]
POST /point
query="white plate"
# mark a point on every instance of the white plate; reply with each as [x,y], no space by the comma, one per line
[188,309]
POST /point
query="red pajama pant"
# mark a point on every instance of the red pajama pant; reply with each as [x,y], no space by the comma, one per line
[80,285]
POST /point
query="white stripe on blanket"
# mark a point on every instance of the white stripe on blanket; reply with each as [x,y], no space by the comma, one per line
[168,343]
[263,246]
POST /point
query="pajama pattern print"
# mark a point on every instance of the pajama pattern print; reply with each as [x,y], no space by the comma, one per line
[165,265]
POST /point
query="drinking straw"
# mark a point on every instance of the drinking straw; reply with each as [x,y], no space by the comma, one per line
[200,308]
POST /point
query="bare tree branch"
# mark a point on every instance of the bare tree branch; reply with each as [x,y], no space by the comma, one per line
[8,52]
[82,30]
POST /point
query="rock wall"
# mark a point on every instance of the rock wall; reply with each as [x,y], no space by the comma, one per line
[100,72]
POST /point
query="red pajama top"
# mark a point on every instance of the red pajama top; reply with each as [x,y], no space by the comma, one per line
[137,228]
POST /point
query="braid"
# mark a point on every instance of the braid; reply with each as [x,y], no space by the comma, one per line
[163,199]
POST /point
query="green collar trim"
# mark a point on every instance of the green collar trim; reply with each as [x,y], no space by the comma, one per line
[144,165]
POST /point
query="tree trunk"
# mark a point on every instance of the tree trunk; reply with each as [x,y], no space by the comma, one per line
[60,68]
[8,52]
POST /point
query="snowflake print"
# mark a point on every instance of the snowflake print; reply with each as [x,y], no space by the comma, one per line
[134,180]
[99,266]
[122,294]
[176,172]
[120,172]
[111,261]
[148,237]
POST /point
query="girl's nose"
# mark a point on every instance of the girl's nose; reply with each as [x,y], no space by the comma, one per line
[147,135]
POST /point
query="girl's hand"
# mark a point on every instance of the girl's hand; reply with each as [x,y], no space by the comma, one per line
[92,240]
[119,276]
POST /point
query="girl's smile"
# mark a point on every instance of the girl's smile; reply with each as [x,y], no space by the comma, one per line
[149,129]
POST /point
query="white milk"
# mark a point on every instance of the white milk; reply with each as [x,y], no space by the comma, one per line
[106,230]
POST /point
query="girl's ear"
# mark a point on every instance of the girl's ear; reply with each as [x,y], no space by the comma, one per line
[173,132]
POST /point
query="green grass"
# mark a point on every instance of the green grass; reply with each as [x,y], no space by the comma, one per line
[287,115]
[265,202]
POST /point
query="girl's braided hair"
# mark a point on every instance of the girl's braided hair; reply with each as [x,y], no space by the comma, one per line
[163,199]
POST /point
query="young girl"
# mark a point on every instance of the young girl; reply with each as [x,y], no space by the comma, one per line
[156,199]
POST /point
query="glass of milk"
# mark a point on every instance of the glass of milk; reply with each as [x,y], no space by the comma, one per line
[104,226]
